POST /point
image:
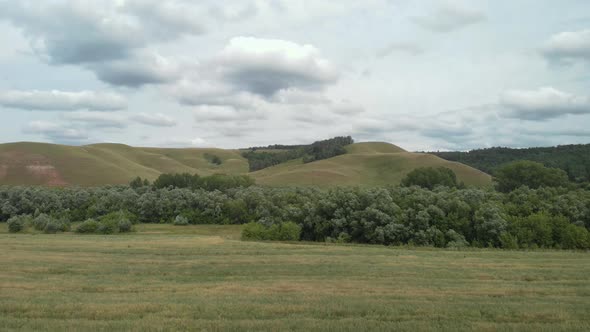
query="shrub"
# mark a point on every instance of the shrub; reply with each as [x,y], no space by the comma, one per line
[115,222]
[181,220]
[534,230]
[18,223]
[574,237]
[108,227]
[288,231]
[508,241]
[87,227]
[53,226]
[430,177]
[125,226]
[455,240]
[254,231]
[41,221]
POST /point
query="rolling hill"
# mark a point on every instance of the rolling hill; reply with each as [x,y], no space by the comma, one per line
[99,164]
[364,164]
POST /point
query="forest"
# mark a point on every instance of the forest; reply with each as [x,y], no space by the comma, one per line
[276,154]
[436,212]
[573,159]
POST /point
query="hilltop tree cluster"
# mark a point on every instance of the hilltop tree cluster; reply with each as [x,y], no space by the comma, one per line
[277,154]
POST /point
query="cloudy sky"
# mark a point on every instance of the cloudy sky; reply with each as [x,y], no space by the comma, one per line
[425,75]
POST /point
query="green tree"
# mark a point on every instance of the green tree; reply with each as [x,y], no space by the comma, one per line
[430,177]
[530,174]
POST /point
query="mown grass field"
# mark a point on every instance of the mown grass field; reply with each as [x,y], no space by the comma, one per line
[167,277]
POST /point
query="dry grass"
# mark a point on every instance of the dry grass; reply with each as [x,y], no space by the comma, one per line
[167,277]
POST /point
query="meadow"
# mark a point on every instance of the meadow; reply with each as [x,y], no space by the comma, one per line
[165,277]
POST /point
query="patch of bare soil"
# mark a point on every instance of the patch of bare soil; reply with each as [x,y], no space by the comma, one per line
[47,172]
[35,165]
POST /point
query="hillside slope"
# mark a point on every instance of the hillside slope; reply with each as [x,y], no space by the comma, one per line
[365,164]
[99,164]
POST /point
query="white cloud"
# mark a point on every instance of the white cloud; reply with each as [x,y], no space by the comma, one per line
[179,142]
[155,120]
[266,66]
[568,46]
[97,119]
[543,103]
[225,114]
[410,48]
[450,17]
[56,100]
[55,132]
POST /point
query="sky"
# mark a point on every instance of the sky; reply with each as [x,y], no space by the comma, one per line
[424,75]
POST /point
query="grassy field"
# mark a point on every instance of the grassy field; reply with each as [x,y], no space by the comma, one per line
[167,277]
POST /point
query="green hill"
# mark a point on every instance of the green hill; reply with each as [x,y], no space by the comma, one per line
[364,164]
[99,164]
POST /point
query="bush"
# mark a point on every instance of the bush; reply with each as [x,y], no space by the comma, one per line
[108,227]
[87,227]
[125,226]
[181,221]
[254,231]
[430,177]
[455,240]
[574,237]
[508,241]
[18,223]
[53,226]
[41,221]
[288,231]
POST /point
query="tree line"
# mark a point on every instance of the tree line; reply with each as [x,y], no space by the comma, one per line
[318,150]
[447,215]
[574,160]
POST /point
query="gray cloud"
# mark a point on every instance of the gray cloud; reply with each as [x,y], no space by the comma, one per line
[97,119]
[541,104]
[55,100]
[450,17]
[72,32]
[55,132]
[137,71]
[257,74]
[108,37]
[155,120]
[566,47]
[224,114]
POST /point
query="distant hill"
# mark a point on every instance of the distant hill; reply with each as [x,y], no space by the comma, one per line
[99,164]
[574,159]
[365,164]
